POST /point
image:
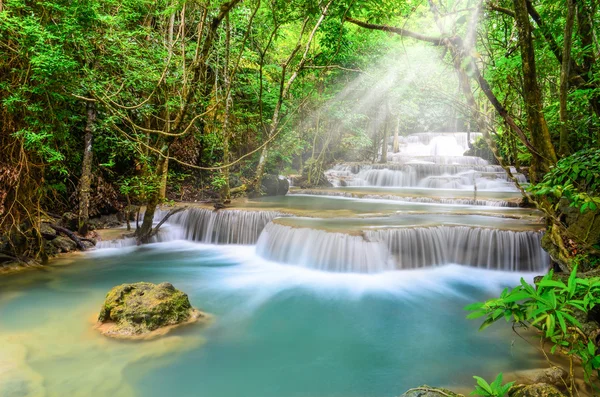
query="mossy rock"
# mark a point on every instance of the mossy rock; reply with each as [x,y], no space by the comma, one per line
[62,244]
[428,391]
[535,390]
[140,310]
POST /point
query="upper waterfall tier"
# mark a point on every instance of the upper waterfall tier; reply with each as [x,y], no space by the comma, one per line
[430,160]
[379,250]
[452,144]
[419,195]
[427,175]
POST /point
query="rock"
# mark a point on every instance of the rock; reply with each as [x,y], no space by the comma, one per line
[427,391]
[535,390]
[47,232]
[554,376]
[63,244]
[141,310]
[88,244]
[273,185]
[70,221]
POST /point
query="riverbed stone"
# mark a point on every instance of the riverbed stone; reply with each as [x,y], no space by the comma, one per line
[137,310]
[63,244]
[555,376]
[535,390]
[428,391]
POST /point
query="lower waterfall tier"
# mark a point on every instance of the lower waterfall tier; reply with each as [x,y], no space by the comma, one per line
[380,250]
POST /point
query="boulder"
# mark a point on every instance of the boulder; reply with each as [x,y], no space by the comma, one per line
[143,310]
[554,376]
[535,390]
[273,185]
[62,244]
[427,391]
[47,232]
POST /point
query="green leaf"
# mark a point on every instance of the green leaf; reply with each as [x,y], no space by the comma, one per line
[483,384]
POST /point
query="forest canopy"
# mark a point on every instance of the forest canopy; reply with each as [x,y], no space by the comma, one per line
[106,104]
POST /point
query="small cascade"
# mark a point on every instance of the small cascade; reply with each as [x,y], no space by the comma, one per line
[410,199]
[317,249]
[431,160]
[478,247]
[457,160]
[429,175]
[404,248]
[117,243]
[220,227]
[457,138]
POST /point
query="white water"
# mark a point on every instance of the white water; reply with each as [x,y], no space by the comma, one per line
[382,250]
[381,196]
[432,160]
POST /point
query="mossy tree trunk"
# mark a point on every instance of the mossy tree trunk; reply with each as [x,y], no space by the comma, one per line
[86,169]
[544,155]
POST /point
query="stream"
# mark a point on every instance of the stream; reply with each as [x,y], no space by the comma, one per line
[353,290]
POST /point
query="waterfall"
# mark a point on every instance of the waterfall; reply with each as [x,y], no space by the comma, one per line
[430,175]
[458,160]
[221,227]
[317,249]
[404,248]
[431,200]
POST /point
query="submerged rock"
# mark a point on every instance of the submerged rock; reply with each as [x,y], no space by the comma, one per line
[554,376]
[535,390]
[143,310]
[427,391]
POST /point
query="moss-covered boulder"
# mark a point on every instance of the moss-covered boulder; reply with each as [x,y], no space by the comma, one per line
[428,391]
[535,390]
[144,310]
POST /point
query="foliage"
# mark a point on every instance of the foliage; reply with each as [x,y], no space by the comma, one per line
[494,389]
[576,178]
[139,188]
[550,306]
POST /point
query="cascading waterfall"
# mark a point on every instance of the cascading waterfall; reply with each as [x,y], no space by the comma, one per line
[206,226]
[432,160]
[458,160]
[222,227]
[430,175]
[426,161]
[317,249]
[432,200]
[403,248]
[459,138]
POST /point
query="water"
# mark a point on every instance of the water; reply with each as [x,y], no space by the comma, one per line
[352,291]
[428,160]
[280,331]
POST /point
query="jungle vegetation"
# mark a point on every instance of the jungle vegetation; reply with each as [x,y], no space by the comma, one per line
[107,103]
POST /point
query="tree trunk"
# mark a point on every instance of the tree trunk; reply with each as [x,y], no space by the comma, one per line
[86,169]
[545,155]
[227,117]
[145,231]
[396,145]
[386,136]
[163,181]
[563,147]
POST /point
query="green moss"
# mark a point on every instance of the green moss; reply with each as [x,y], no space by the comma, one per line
[143,307]
[535,390]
